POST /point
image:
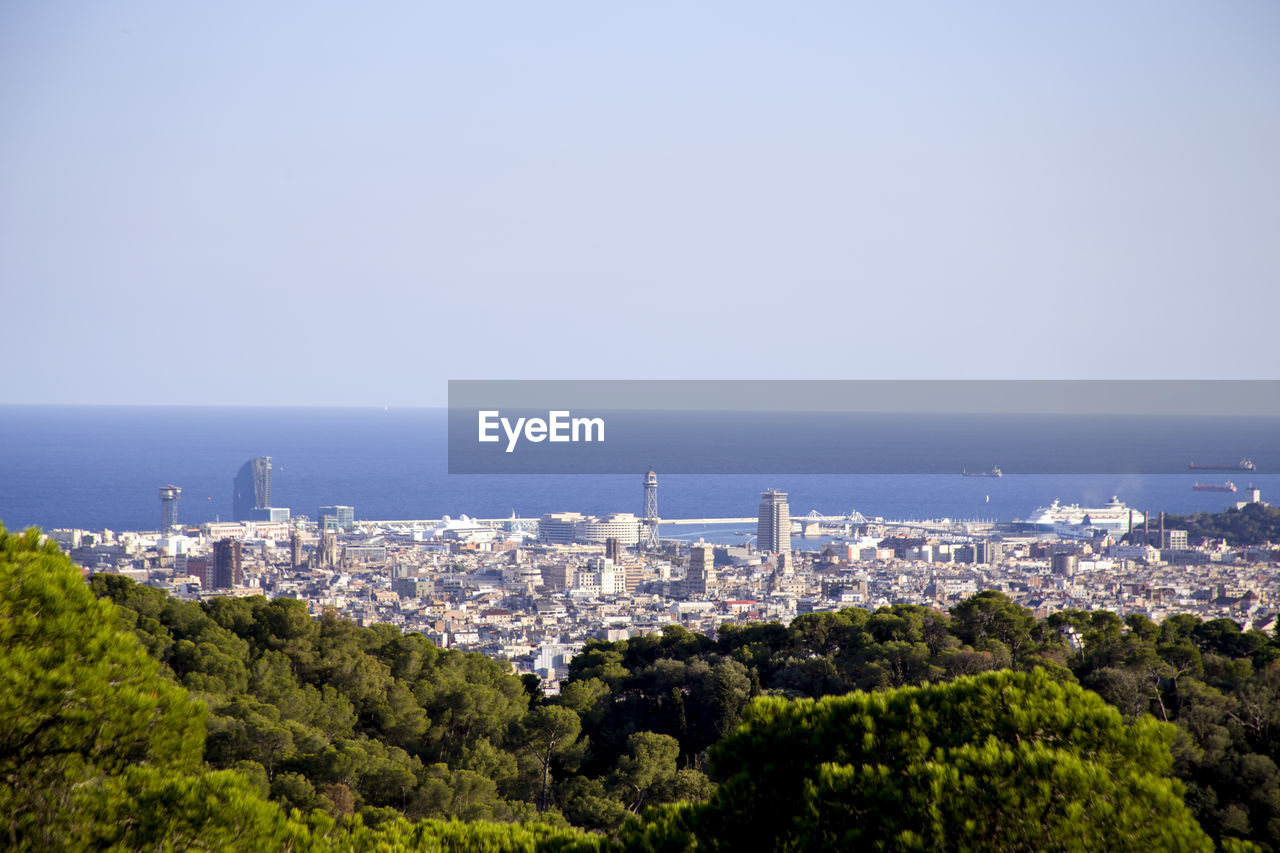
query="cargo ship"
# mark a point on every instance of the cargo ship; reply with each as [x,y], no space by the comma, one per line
[1215,487]
[1242,465]
[994,472]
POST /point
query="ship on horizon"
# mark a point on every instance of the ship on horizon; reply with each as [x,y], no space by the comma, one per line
[994,472]
[1242,465]
[1228,486]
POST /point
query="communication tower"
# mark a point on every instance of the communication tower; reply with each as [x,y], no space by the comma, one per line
[649,536]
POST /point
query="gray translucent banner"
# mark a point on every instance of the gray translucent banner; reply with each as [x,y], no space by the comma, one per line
[864,426]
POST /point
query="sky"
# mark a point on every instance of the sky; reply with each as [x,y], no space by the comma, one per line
[330,204]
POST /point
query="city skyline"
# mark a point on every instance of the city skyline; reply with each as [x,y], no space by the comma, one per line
[944,327]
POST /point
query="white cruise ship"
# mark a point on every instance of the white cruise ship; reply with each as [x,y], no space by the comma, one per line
[1069,519]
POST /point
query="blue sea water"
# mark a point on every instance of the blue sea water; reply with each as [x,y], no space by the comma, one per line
[101,466]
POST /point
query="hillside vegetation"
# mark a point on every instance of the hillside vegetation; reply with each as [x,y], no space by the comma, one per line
[1252,524]
[133,719]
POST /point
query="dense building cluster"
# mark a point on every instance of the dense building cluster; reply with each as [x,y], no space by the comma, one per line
[534,593]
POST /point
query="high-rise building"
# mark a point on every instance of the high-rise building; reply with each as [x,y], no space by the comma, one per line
[227,569]
[295,549]
[700,576]
[773,532]
[252,488]
[336,517]
[169,507]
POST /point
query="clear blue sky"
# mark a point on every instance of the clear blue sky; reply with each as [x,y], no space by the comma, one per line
[342,204]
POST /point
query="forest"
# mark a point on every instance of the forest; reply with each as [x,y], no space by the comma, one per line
[131,719]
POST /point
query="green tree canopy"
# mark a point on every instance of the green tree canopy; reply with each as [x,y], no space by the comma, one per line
[1002,760]
[80,699]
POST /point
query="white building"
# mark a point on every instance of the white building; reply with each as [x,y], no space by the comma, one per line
[623,526]
[564,528]
[559,528]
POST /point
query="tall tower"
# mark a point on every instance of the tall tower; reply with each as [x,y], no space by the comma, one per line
[649,536]
[252,488]
[773,531]
[169,507]
[227,565]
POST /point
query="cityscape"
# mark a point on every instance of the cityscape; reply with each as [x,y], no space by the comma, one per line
[617,428]
[533,591]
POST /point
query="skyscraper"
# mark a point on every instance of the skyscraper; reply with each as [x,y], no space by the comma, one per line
[169,507]
[252,488]
[773,532]
[227,567]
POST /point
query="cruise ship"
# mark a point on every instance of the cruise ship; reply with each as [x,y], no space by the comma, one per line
[1073,519]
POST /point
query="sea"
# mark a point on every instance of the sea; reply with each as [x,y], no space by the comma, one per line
[96,467]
